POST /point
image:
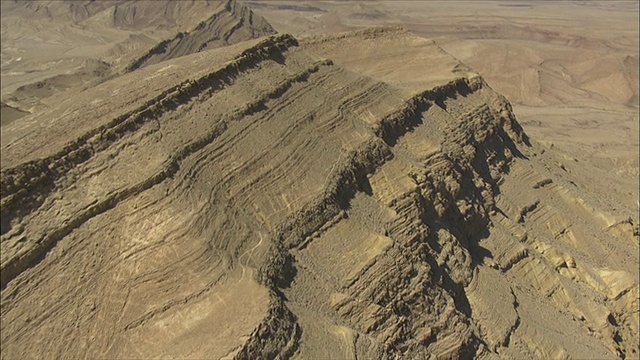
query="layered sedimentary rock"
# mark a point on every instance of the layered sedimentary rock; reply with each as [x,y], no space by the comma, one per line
[82,43]
[355,196]
[230,24]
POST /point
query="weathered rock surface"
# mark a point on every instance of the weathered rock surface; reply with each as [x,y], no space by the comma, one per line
[51,46]
[230,24]
[355,196]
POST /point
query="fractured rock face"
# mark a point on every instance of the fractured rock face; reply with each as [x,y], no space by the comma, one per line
[360,195]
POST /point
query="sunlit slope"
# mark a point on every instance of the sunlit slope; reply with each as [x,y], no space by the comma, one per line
[317,199]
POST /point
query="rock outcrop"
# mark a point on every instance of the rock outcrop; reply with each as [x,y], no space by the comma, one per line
[86,43]
[233,23]
[355,196]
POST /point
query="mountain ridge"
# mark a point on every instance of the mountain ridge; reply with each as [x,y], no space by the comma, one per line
[324,206]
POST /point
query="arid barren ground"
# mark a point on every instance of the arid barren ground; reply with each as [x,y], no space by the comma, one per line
[201,187]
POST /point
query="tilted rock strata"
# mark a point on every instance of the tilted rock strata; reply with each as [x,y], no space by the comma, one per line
[122,36]
[276,203]
[233,23]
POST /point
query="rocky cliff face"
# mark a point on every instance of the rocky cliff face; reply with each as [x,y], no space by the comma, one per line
[231,24]
[354,196]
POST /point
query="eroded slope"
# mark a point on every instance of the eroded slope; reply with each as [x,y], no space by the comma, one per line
[308,200]
[232,23]
[49,47]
